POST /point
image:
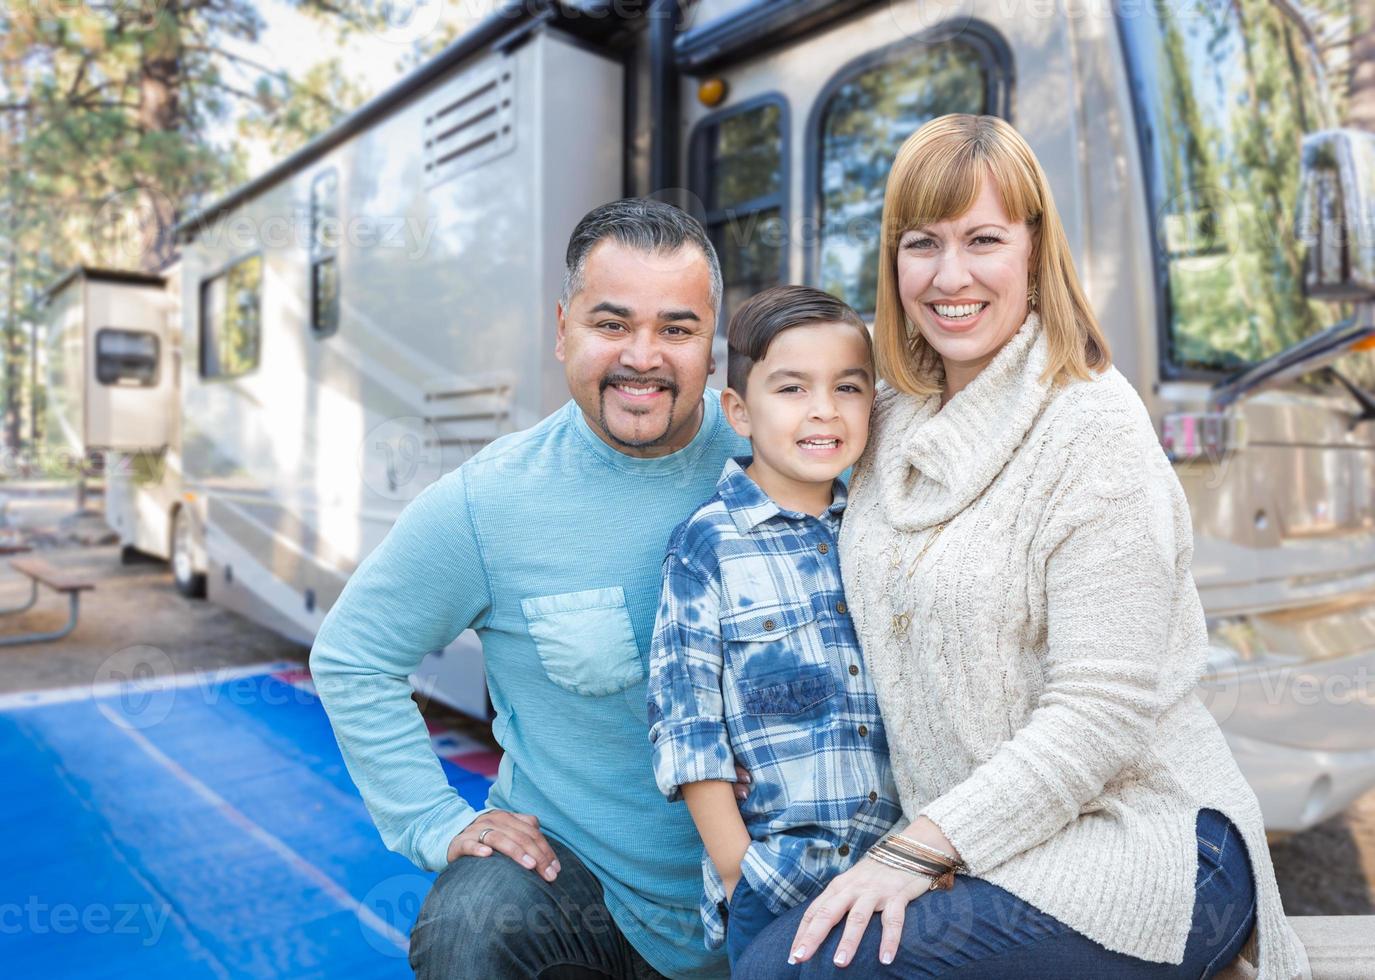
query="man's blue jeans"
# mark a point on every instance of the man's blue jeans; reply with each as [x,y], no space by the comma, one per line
[978,931]
[491,919]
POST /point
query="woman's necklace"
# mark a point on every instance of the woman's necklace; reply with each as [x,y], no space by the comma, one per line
[902,622]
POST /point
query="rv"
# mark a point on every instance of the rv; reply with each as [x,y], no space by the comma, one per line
[110,349]
[370,312]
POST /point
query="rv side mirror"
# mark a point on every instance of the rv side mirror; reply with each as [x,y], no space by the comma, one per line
[1337,215]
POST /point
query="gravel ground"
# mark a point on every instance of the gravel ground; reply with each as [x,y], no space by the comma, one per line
[133,605]
[1328,870]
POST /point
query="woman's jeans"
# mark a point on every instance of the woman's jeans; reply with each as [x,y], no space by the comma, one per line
[978,930]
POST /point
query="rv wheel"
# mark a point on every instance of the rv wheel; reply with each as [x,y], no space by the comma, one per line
[190,582]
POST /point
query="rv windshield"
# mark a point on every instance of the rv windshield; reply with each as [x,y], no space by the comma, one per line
[1224,95]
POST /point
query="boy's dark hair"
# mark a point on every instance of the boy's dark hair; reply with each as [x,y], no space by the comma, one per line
[765,315]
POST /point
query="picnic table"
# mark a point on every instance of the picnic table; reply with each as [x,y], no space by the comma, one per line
[39,572]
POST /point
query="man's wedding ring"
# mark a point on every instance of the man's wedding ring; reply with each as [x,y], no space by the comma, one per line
[484,834]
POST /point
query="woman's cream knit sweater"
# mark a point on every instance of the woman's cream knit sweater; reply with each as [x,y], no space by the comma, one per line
[1017,565]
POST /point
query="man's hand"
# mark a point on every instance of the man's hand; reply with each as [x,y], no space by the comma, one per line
[516,835]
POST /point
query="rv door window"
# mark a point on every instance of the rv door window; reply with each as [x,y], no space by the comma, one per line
[324,251]
[1223,98]
[324,296]
[871,109]
[231,320]
[739,172]
[126,357]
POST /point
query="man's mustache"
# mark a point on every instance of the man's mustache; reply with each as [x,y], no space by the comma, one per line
[635,382]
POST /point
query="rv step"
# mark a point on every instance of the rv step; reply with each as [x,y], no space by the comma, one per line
[1340,947]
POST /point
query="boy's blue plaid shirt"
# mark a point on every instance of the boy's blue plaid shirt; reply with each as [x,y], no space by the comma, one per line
[755,659]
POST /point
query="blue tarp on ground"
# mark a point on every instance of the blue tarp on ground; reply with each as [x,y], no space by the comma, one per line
[203,830]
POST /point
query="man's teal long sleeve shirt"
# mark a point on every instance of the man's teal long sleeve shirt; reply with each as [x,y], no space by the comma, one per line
[549,544]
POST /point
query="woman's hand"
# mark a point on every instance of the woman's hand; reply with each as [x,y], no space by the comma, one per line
[857,894]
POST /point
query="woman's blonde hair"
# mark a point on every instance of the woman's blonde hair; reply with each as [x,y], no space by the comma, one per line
[937,175]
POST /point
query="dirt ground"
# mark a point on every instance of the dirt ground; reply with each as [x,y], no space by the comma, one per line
[1328,870]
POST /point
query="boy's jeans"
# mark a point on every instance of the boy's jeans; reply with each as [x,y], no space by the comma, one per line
[746,917]
[978,931]
[491,919]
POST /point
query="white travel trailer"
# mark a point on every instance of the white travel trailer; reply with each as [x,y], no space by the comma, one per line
[368,313]
[112,349]
[110,369]
[112,366]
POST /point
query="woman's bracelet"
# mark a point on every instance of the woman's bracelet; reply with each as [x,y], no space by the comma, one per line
[914,862]
[911,846]
[884,858]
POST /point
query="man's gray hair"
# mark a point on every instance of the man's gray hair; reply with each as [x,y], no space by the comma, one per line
[639,223]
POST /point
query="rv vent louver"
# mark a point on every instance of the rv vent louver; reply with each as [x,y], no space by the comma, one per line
[470,121]
[465,414]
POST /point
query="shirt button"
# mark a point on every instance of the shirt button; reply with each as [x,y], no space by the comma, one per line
[841,608]
[769,624]
[873,797]
[863,730]
[854,669]
[843,850]
[823,547]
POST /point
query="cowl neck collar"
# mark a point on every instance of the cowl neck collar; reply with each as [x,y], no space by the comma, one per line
[934,462]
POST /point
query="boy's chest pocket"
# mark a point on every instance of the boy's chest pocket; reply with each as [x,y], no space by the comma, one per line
[585,640]
[779,661]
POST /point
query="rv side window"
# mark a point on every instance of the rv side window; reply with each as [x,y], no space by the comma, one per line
[739,172]
[231,320]
[126,357]
[1223,101]
[324,253]
[867,112]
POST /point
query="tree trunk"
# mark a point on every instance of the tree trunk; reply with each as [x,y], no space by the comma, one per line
[159,111]
[13,354]
[1362,105]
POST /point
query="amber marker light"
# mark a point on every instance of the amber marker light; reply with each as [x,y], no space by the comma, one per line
[712,92]
[1367,344]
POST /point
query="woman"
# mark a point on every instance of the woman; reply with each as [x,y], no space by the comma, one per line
[1016,557]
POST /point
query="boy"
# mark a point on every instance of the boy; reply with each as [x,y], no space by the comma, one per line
[754,657]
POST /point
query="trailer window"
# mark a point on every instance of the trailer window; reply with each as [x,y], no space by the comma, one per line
[868,112]
[126,357]
[739,173]
[231,320]
[1223,100]
[324,253]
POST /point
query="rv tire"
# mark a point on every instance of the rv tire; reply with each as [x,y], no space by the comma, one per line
[189,582]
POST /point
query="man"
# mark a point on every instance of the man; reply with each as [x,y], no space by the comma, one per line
[549,544]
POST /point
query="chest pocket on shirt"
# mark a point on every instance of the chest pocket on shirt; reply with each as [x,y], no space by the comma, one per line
[777,664]
[585,640]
